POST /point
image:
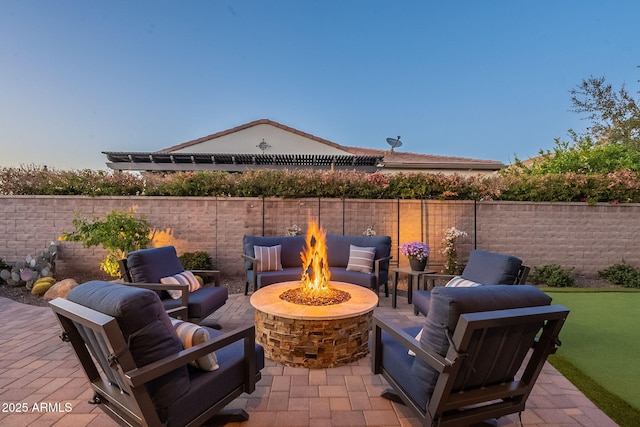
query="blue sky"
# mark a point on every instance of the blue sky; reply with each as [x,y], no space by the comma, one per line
[481,79]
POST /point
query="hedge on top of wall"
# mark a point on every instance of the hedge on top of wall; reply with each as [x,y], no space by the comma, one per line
[616,187]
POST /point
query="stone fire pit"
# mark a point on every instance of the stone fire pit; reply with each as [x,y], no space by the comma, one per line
[313,336]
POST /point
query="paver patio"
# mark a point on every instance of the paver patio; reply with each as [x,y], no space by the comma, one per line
[41,383]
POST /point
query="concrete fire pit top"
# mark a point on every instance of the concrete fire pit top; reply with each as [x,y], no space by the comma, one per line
[268,301]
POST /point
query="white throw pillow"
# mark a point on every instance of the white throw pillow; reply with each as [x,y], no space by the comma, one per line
[361,259]
[461,282]
[191,335]
[184,278]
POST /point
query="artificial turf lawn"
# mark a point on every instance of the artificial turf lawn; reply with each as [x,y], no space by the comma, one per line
[601,338]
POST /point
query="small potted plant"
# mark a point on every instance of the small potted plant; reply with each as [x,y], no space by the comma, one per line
[418,254]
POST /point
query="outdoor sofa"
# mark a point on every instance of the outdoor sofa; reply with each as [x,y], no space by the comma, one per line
[269,260]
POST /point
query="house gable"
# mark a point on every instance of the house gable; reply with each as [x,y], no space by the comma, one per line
[248,138]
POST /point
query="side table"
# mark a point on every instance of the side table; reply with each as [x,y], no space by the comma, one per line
[411,274]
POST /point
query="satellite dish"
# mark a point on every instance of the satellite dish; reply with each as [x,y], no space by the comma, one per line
[394,142]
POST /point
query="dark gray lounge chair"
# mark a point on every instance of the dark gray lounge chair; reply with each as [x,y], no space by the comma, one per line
[146,267]
[484,267]
[478,357]
[135,361]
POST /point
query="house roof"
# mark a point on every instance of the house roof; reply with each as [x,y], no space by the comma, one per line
[368,159]
[406,160]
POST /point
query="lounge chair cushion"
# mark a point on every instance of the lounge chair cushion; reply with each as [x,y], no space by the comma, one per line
[202,302]
[145,326]
[269,257]
[361,258]
[190,335]
[447,304]
[491,268]
[215,385]
[149,267]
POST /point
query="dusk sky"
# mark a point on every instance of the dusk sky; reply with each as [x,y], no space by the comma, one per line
[481,79]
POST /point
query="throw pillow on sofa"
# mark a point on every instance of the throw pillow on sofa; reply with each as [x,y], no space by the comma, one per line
[461,282]
[361,259]
[269,257]
[184,278]
[191,335]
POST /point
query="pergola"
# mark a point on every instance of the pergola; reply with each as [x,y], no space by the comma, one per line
[167,162]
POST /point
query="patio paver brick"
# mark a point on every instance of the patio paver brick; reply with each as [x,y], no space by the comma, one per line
[40,368]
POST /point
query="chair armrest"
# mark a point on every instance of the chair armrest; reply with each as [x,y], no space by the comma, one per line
[434,360]
[254,269]
[250,258]
[377,263]
[141,376]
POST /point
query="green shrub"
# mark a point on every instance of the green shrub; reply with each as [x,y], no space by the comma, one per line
[553,276]
[119,232]
[623,274]
[196,260]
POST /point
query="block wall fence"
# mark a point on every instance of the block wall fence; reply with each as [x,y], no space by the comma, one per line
[575,235]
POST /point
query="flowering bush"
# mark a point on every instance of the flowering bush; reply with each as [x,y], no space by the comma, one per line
[415,250]
[450,250]
[620,186]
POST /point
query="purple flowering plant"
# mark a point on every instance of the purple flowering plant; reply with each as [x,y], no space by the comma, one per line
[417,250]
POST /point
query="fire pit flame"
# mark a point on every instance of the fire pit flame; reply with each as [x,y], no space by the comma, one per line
[315,264]
[315,289]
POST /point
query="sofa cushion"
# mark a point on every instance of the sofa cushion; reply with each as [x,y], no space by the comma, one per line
[191,335]
[290,253]
[184,278]
[361,258]
[339,247]
[145,326]
[285,275]
[491,268]
[269,257]
[447,304]
[339,274]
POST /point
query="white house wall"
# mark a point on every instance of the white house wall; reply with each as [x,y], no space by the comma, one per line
[246,141]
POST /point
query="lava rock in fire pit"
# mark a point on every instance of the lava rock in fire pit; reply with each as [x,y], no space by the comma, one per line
[329,296]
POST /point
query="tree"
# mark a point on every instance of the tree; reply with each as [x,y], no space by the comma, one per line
[614,115]
[584,156]
[119,232]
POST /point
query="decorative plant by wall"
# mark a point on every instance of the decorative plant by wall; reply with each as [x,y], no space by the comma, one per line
[27,272]
[369,231]
[293,230]
[119,232]
[450,250]
[198,260]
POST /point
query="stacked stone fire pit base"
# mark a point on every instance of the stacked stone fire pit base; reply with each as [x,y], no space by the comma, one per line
[313,336]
